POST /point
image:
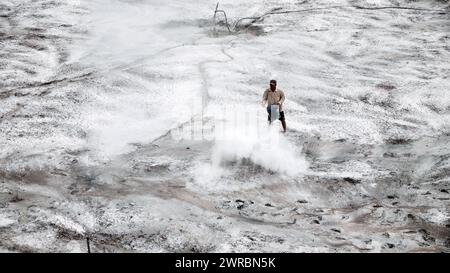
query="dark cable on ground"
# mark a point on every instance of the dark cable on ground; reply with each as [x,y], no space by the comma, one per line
[278,11]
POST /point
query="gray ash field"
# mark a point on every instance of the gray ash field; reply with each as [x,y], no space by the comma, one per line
[102,102]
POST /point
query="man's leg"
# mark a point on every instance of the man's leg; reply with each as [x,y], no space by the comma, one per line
[283,121]
[269,117]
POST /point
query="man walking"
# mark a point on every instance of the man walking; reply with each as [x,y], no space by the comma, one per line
[274,96]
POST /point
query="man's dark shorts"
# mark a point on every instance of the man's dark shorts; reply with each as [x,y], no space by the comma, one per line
[281,114]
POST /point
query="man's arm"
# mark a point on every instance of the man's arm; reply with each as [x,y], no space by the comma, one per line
[265,96]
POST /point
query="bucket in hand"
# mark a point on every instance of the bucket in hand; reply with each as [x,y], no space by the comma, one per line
[274,112]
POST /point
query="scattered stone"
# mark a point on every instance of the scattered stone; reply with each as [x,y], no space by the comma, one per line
[390,245]
[444,191]
[394,203]
[389,154]
[364,99]
[188,148]
[377,206]
[268,205]
[16,198]
[447,243]
[398,141]
[302,201]
[392,196]
[315,222]
[240,204]
[336,230]
[426,236]
[386,86]
[352,180]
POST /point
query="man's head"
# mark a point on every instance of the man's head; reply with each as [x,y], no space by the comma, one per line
[273,85]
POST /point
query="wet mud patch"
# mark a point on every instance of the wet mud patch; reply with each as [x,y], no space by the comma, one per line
[245,167]
[386,86]
[28,175]
[399,141]
[254,30]
[176,24]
